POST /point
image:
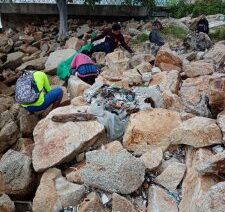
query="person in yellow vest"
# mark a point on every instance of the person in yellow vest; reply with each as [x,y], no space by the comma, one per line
[34,93]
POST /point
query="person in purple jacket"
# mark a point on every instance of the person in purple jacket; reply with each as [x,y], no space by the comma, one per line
[113,37]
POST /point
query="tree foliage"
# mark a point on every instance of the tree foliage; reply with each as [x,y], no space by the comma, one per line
[206,7]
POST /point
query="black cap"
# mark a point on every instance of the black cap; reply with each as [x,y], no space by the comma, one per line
[116,27]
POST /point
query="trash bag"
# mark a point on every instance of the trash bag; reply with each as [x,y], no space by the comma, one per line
[115,127]
[63,69]
[87,48]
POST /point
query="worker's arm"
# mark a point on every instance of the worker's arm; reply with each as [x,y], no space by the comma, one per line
[102,35]
[47,86]
[124,45]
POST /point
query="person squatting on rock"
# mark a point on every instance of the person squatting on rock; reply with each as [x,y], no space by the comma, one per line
[34,93]
[113,37]
[155,38]
[154,35]
[84,67]
[202,25]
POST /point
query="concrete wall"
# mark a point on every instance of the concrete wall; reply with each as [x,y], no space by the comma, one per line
[76,10]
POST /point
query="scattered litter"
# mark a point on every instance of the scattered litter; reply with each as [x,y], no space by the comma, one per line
[105,199]
[70,209]
[116,100]
[217,149]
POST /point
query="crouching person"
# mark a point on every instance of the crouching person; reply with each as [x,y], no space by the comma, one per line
[34,92]
[83,67]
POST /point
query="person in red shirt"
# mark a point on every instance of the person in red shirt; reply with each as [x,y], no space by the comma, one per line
[113,37]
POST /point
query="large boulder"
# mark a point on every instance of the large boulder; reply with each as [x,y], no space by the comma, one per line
[6,43]
[76,87]
[166,56]
[16,175]
[27,124]
[117,60]
[199,68]
[8,130]
[38,64]
[92,203]
[160,200]
[195,186]
[213,200]
[5,102]
[82,30]
[99,57]
[74,43]
[196,132]
[171,176]
[56,142]
[55,193]
[28,49]
[46,197]
[118,172]
[25,146]
[6,91]
[221,122]
[121,204]
[144,67]
[178,23]
[6,204]
[198,41]
[131,78]
[149,97]
[167,81]
[148,129]
[138,59]
[69,194]
[169,67]
[213,165]
[217,53]
[160,128]
[193,90]
[55,58]
[13,60]
[152,158]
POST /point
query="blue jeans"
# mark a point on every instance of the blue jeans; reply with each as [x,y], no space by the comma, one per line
[50,97]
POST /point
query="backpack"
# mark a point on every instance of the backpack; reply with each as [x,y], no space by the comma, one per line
[85,70]
[26,89]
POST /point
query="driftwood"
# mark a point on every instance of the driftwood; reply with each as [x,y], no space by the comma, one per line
[75,117]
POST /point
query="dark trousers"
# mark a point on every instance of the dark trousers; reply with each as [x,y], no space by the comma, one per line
[102,47]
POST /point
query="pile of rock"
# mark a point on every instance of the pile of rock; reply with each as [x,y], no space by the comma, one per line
[170,158]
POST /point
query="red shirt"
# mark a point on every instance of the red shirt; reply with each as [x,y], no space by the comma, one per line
[113,39]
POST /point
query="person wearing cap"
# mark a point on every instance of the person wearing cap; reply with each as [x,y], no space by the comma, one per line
[113,37]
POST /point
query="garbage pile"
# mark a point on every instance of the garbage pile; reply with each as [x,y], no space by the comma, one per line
[116,100]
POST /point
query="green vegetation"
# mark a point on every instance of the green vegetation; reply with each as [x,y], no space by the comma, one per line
[218,34]
[206,7]
[174,32]
[141,38]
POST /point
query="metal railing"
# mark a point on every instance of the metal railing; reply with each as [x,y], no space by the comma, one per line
[102,2]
